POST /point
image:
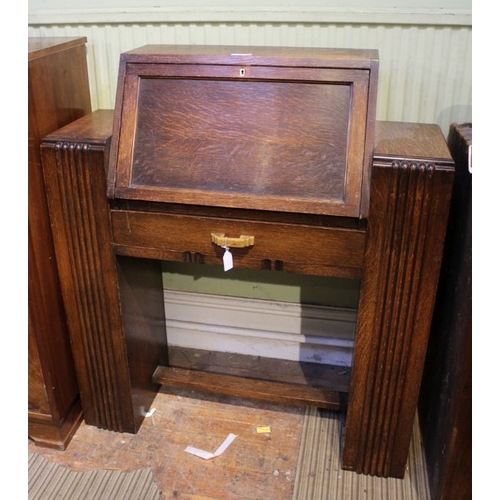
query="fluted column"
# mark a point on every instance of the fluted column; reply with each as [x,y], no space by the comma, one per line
[74,171]
[406,229]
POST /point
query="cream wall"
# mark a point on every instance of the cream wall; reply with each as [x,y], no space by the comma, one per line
[447,4]
[425,50]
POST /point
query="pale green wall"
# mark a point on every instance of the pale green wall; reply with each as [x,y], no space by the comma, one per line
[267,285]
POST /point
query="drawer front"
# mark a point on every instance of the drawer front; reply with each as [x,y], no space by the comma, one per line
[287,247]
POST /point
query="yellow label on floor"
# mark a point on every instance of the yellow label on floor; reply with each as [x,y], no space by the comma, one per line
[263,430]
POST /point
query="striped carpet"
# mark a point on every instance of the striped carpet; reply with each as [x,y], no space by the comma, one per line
[320,477]
[50,481]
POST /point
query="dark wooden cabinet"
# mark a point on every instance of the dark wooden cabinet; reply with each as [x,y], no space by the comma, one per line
[148,182]
[58,93]
[445,405]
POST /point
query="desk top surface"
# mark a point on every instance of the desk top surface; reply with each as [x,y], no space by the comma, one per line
[237,54]
[40,47]
[410,140]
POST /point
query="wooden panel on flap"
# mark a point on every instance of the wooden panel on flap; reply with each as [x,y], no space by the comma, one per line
[261,133]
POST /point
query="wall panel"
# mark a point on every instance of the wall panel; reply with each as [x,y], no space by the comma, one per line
[425,57]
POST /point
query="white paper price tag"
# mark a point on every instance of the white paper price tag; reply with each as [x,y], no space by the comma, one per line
[227,259]
[206,455]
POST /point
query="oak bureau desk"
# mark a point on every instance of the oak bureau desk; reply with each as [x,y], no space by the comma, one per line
[270,157]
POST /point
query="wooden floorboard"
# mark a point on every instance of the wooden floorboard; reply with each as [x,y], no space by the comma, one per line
[255,466]
[296,458]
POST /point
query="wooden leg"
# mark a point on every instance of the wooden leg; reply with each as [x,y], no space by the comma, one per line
[114,311]
[143,316]
[406,229]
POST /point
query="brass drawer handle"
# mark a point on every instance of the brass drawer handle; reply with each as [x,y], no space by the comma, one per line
[223,241]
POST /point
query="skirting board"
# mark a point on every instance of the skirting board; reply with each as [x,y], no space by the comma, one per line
[259,327]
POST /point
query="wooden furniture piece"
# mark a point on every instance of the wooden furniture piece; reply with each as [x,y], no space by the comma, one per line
[210,143]
[445,405]
[58,93]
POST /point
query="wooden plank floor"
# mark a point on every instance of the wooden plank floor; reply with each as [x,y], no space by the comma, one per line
[257,466]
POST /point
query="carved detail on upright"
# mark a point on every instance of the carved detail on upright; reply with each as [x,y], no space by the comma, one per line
[75,173]
[404,243]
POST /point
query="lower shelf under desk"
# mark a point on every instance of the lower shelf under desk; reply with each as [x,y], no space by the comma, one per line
[115,303]
[277,380]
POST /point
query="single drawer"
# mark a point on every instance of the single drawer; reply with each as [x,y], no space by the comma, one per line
[305,249]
